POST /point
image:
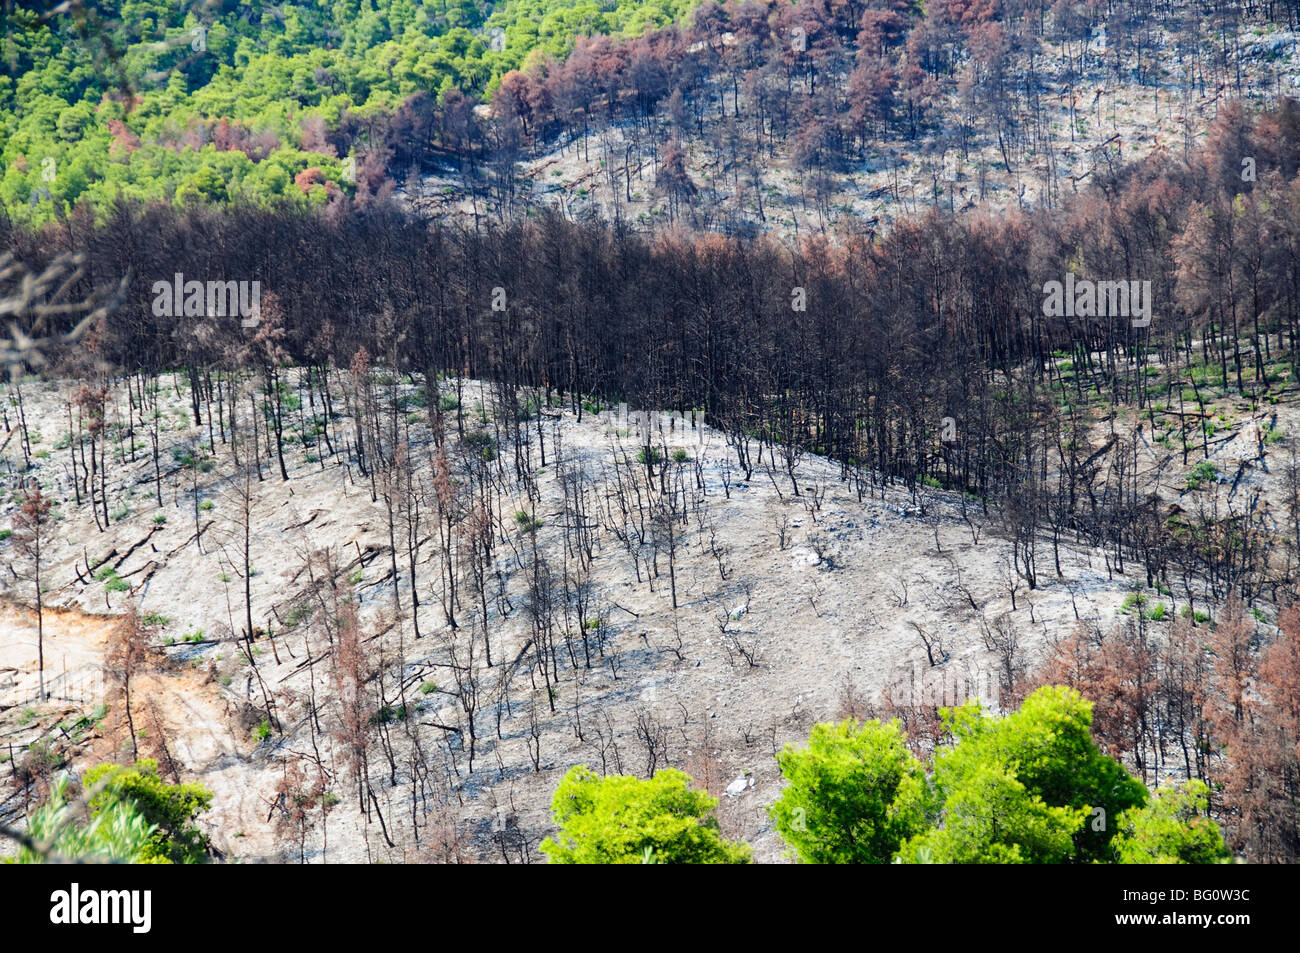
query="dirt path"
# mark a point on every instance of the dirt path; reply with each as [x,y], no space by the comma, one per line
[183,718]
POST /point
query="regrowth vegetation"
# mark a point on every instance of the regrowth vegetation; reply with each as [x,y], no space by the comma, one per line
[1028,788]
[315,102]
[622,819]
[124,814]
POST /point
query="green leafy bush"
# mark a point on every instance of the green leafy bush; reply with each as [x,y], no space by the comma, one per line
[389,714]
[615,820]
[1025,788]
[482,443]
[1029,787]
[855,794]
[1172,828]
[1134,600]
[118,831]
[170,809]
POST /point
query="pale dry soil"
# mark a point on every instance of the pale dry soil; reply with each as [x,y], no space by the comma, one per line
[815,624]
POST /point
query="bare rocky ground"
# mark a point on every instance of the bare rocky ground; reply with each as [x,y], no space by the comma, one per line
[838,605]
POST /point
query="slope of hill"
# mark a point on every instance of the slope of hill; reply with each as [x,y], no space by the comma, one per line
[746,117]
[634,619]
[729,168]
[222,101]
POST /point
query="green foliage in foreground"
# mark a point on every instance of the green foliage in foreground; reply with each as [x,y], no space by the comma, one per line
[169,808]
[855,794]
[1030,787]
[118,832]
[623,819]
[992,818]
[1171,829]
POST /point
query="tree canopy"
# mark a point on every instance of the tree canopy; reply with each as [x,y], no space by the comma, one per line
[1030,787]
[132,816]
[855,794]
[153,99]
[1042,764]
[1171,829]
[616,819]
[170,809]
